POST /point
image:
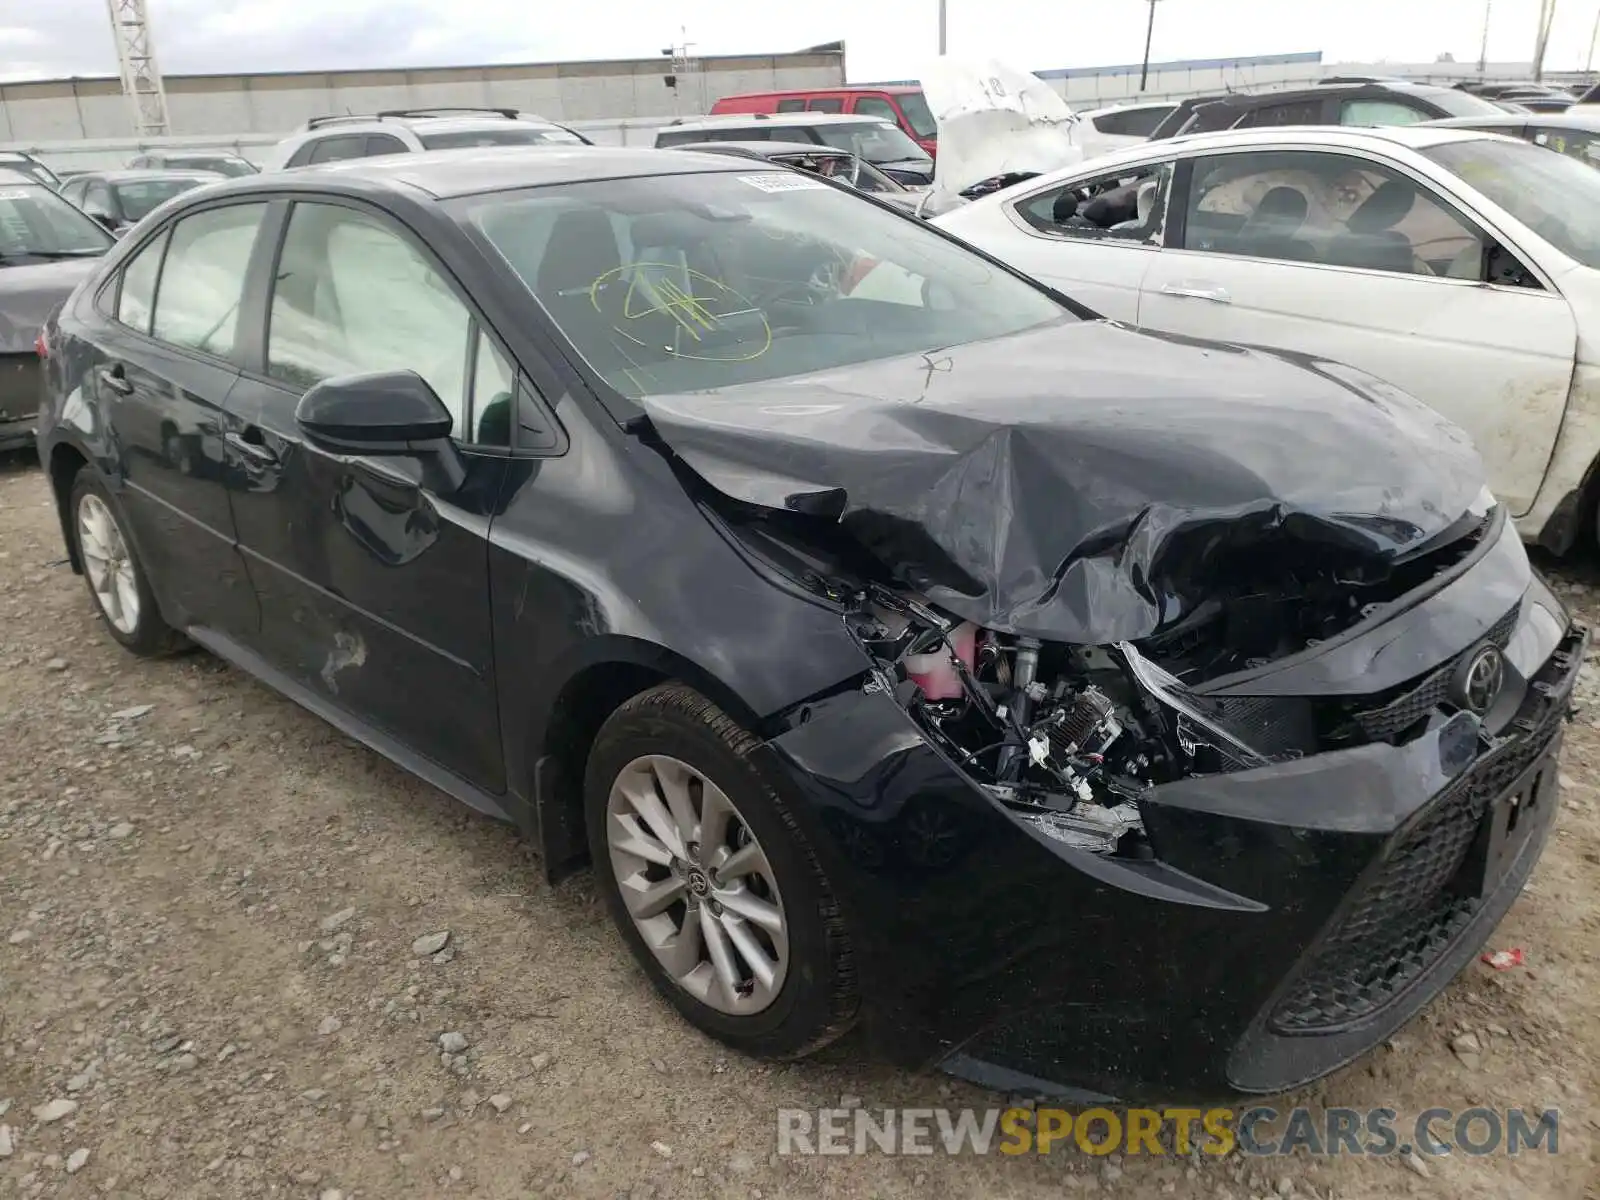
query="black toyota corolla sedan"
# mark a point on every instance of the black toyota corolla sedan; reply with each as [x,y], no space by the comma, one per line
[1083,710]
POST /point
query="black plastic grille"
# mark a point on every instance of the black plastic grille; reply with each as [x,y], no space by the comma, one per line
[19,386]
[1412,909]
[1382,722]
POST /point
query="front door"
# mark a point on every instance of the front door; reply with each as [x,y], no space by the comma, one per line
[374,591]
[163,372]
[1348,259]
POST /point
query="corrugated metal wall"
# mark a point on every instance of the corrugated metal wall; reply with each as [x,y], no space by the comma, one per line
[234,105]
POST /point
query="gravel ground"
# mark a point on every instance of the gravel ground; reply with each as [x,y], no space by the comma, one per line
[213,980]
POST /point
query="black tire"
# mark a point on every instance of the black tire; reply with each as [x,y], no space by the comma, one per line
[817,1001]
[151,636]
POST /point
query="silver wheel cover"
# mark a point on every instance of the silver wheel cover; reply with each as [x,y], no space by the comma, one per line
[108,564]
[697,885]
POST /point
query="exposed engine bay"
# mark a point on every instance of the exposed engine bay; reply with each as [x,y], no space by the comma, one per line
[1069,737]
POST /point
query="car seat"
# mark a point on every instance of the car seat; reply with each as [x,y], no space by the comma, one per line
[1269,230]
[1371,240]
[579,279]
[1144,206]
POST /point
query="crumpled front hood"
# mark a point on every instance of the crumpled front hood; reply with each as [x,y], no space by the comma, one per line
[1070,482]
[28,291]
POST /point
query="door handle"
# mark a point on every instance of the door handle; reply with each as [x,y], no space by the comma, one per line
[115,377]
[249,443]
[1213,292]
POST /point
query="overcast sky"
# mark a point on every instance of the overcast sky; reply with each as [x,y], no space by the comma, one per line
[886,38]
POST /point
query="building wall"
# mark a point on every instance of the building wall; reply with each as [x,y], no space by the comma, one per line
[243,105]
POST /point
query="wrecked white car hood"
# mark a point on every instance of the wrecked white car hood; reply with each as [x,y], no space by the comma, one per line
[993,120]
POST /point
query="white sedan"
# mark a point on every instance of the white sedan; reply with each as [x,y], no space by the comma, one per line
[1461,267]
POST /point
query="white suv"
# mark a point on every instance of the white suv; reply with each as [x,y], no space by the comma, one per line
[402,131]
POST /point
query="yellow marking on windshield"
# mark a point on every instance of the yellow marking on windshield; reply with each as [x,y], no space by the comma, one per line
[669,289]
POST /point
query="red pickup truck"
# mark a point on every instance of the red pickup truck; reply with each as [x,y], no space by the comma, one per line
[903,104]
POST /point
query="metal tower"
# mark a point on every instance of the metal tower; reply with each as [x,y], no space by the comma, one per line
[141,77]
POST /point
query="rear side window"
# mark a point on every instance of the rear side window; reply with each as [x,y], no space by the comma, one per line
[383,143]
[1301,112]
[793,104]
[202,283]
[1136,122]
[137,298]
[827,104]
[329,149]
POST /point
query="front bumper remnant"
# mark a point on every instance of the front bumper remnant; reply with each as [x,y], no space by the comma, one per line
[1292,917]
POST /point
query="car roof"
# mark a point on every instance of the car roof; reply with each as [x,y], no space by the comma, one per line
[1421,136]
[765,149]
[445,174]
[1586,119]
[1319,90]
[770,119]
[893,89]
[146,174]
[193,154]
[464,122]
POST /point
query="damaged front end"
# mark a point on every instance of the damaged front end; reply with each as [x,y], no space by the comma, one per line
[1209,709]
[1071,737]
[1067,737]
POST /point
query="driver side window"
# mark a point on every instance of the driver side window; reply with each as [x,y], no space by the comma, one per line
[1129,207]
[1336,209]
[353,295]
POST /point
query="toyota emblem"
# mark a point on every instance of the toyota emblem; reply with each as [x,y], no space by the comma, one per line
[1478,680]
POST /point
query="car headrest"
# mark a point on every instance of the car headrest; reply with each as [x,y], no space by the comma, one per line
[1382,209]
[581,249]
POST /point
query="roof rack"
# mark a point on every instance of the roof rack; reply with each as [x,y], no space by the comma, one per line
[509,114]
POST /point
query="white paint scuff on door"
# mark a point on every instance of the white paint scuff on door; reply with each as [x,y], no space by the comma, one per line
[348,651]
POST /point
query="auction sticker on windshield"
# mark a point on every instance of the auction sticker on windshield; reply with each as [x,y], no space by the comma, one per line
[782,181]
[14,194]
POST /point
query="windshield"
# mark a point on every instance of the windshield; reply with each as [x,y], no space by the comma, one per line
[914,107]
[684,283]
[875,141]
[37,223]
[31,167]
[1581,144]
[221,164]
[138,197]
[846,169]
[1554,195]
[1463,104]
[521,135]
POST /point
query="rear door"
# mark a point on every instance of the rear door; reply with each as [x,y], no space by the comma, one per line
[1357,261]
[163,342]
[374,591]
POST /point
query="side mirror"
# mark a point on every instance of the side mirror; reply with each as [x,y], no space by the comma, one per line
[385,414]
[104,218]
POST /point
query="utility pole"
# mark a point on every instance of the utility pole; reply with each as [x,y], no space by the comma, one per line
[1149,33]
[942,40]
[1588,63]
[1547,13]
[1483,46]
[141,77]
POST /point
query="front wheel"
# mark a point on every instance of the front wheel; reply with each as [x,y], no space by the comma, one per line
[112,570]
[710,881]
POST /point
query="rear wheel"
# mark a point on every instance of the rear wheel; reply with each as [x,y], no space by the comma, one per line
[710,881]
[113,573]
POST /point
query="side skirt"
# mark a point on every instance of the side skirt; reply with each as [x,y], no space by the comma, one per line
[347,723]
